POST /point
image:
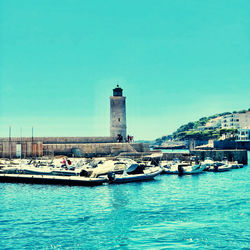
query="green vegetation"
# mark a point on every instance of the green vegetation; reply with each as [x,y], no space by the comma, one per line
[203,134]
[195,125]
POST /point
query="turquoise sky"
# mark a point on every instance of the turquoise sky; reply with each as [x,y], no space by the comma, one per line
[177,61]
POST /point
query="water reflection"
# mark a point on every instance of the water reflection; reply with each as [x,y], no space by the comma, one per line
[172,211]
[118,197]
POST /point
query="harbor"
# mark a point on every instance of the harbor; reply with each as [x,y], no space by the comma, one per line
[124,125]
[97,171]
[108,192]
[185,211]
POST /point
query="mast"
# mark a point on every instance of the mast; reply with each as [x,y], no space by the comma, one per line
[10,142]
[21,141]
[32,141]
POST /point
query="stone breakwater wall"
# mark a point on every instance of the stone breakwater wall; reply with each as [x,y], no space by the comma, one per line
[219,155]
[82,146]
[96,149]
[170,156]
[232,145]
[222,144]
[166,157]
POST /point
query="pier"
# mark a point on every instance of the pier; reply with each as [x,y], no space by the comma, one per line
[219,155]
[216,155]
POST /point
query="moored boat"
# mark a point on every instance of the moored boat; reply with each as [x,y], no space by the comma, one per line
[34,170]
[147,175]
[208,162]
[219,167]
[222,166]
[181,169]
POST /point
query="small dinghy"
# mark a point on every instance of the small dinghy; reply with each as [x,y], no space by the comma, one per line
[35,170]
[196,169]
[10,170]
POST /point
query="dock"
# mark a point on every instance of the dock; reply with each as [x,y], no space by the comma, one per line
[49,179]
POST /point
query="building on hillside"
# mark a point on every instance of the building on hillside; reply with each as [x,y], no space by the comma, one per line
[236,120]
[244,120]
[230,121]
[243,134]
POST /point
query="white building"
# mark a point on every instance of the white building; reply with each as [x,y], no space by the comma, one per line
[237,120]
[234,120]
[244,120]
[230,121]
[243,134]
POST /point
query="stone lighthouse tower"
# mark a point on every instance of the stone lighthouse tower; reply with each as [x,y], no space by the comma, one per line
[118,114]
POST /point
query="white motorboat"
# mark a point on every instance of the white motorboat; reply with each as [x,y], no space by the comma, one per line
[50,168]
[181,169]
[223,166]
[175,161]
[233,164]
[219,168]
[26,169]
[10,170]
[147,175]
[208,162]
[116,166]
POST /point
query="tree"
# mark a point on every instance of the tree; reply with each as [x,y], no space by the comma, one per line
[242,111]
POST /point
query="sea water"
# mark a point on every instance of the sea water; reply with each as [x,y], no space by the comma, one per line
[206,211]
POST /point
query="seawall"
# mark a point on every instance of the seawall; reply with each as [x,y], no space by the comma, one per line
[218,155]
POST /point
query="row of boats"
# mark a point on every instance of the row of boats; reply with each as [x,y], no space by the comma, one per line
[99,171]
[196,167]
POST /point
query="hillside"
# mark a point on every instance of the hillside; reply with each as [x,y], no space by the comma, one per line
[196,130]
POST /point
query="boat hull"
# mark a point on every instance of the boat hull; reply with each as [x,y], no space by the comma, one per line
[118,179]
[219,169]
[54,180]
[184,170]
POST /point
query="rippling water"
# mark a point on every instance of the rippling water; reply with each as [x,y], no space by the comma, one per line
[207,211]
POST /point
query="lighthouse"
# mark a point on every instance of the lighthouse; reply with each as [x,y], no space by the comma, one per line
[118,126]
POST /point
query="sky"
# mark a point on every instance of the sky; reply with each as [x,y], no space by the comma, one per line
[176,60]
